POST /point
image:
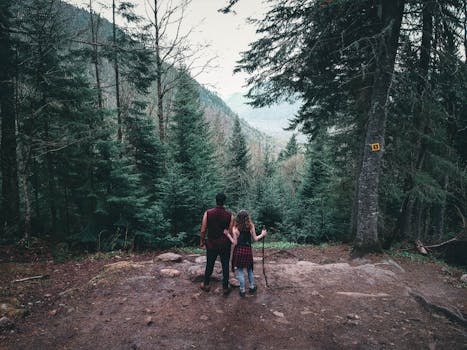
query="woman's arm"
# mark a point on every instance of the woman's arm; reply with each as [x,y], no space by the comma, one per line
[253,233]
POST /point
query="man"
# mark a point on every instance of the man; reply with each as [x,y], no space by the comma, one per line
[216,220]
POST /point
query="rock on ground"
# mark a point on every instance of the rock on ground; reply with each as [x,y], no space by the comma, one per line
[120,265]
[170,273]
[6,323]
[169,257]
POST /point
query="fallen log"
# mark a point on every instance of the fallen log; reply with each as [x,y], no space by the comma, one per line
[462,236]
[31,278]
[452,314]
[441,244]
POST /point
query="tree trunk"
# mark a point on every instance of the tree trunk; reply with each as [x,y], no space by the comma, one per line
[25,159]
[368,182]
[358,162]
[117,77]
[439,212]
[465,31]
[50,180]
[9,163]
[95,55]
[424,64]
[159,87]
[418,229]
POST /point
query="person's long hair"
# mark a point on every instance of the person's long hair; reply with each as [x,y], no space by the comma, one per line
[243,222]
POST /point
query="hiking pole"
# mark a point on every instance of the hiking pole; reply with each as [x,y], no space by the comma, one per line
[264,270]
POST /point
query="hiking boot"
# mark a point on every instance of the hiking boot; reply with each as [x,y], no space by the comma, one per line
[204,287]
[226,291]
[242,294]
[253,290]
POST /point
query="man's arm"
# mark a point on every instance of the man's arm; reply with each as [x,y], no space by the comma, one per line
[204,225]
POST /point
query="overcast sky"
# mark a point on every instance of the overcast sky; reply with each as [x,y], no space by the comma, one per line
[227,34]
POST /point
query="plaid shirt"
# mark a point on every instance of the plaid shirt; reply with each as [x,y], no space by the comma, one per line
[242,256]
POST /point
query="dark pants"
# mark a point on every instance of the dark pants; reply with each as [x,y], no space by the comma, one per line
[211,256]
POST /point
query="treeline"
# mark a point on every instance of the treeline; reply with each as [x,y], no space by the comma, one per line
[104,144]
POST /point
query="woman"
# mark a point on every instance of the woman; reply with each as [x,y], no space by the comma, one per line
[242,233]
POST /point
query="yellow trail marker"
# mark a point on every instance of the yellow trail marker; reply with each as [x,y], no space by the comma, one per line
[375,147]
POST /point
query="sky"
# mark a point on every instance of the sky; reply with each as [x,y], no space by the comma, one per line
[227,35]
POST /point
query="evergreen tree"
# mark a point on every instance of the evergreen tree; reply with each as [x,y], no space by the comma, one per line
[192,181]
[9,205]
[238,166]
[48,123]
[267,203]
[291,148]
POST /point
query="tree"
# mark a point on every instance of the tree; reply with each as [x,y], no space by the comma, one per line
[312,50]
[237,165]
[192,181]
[116,72]
[291,148]
[95,55]
[9,164]
[171,53]
[389,23]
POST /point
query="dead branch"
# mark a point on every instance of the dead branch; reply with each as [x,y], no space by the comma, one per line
[423,248]
[31,278]
[443,243]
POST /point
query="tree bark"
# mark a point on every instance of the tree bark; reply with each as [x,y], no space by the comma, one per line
[117,75]
[95,55]
[439,212]
[27,206]
[50,179]
[368,182]
[9,163]
[159,87]
[465,31]
[424,64]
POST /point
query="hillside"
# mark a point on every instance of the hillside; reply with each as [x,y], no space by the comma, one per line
[216,110]
[271,120]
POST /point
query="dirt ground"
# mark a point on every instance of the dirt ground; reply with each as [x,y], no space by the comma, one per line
[316,298]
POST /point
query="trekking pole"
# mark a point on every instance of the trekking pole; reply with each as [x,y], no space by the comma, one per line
[264,270]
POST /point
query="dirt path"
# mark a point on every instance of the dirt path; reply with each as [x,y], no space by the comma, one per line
[317,299]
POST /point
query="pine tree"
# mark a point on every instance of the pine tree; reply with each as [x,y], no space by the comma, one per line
[192,181]
[237,166]
[9,205]
[314,61]
[291,148]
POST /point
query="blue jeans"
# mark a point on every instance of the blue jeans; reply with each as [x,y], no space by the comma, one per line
[241,278]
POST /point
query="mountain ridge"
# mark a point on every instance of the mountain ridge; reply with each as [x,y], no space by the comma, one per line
[214,105]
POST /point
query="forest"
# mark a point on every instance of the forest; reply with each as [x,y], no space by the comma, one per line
[106,143]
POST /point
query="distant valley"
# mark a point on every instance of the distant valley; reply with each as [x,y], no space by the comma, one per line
[270,120]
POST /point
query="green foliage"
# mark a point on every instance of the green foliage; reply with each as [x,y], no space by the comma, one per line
[291,148]
[192,182]
[275,245]
[329,64]
[94,192]
[238,171]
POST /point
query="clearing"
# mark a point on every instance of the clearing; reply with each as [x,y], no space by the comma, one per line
[317,298]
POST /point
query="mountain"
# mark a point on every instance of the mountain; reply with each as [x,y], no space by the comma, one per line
[217,112]
[270,120]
